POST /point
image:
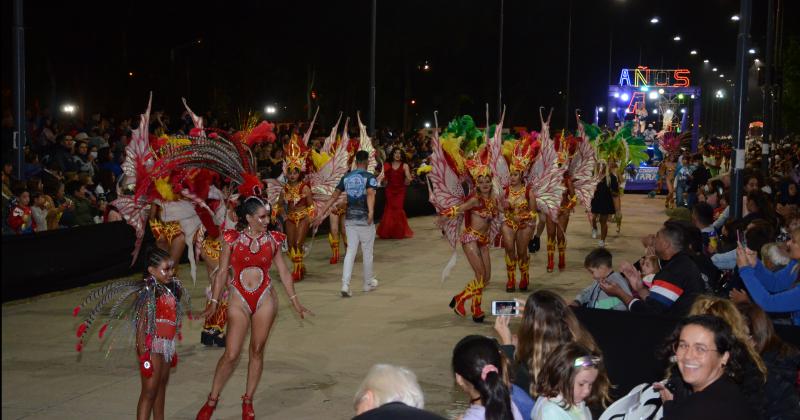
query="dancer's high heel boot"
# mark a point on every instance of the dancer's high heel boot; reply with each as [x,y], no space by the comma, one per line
[247,408]
[523,275]
[551,249]
[562,258]
[207,410]
[457,303]
[511,269]
[477,312]
[296,258]
[334,248]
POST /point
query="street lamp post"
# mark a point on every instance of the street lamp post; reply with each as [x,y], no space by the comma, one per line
[372,71]
[19,88]
[740,101]
[500,65]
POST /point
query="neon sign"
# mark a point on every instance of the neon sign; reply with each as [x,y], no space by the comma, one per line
[643,76]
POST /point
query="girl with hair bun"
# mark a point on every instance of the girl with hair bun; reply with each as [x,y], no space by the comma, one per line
[480,370]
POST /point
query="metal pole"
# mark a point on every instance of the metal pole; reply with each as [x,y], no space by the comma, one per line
[767,136]
[372,71]
[569,66]
[740,104]
[19,88]
[500,65]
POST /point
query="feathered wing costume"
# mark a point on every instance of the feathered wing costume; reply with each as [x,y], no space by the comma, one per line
[330,166]
[151,311]
[449,171]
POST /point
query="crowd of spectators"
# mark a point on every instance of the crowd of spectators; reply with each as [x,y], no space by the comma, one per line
[72,167]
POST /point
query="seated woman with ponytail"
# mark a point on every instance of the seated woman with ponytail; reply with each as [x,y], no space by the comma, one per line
[481,371]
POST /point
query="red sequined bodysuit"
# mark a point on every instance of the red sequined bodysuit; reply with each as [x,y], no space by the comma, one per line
[252,254]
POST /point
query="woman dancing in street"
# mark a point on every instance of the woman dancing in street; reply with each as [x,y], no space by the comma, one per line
[250,250]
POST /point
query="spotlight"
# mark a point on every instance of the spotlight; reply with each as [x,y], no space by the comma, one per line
[655,111]
[680,96]
[661,91]
[692,96]
[683,110]
[655,20]
[624,97]
[427,124]
[269,110]
[653,95]
[693,52]
[705,61]
[751,51]
[616,94]
[613,109]
[600,109]
[644,88]
[714,69]
[676,38]
[735,18]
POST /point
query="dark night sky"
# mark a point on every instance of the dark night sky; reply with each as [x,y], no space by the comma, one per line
[253,53]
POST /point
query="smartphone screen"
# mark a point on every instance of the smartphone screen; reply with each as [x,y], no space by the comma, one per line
[504,308]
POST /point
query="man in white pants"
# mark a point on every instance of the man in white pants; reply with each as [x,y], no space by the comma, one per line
[360,187]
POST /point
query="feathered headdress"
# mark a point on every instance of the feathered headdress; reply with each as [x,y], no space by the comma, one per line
[479,164]
[520,154]
[565,145]
[295,154]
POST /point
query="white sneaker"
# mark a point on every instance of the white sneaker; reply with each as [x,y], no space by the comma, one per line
[601,243]
[346,291]
[371,285]
[594,233]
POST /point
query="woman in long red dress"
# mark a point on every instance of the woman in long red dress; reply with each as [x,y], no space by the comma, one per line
[394,224]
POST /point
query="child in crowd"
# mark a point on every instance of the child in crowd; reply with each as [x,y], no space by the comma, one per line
[572,377]
[650,265]
[21,218]
[156,308]
[599,264]
[480,371]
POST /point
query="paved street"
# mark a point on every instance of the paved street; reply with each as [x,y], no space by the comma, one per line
[312,368]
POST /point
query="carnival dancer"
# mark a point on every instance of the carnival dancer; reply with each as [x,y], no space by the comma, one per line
[479,210]
[578,157]
[360,186]
[155,314]
[299,205]
[250,250]
[332,144]
[603,200]
[670,143]
[397,175]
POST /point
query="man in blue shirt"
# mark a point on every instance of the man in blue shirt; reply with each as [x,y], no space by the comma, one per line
[360,187]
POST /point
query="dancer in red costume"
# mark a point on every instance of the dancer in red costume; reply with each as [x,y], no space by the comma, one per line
[394,224]
[155,313]
[250,250]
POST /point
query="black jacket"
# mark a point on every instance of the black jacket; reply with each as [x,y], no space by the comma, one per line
[783,402]
[397,411]
[722,400]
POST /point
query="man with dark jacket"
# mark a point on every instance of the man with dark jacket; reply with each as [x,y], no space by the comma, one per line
[62,155]
[674,287]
